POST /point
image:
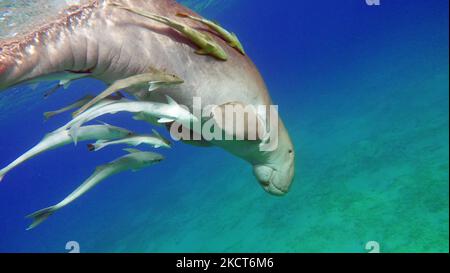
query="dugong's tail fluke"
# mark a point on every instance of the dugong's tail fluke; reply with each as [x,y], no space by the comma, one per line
[40,216]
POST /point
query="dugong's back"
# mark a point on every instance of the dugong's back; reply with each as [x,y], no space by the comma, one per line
[216,82]
[113,43]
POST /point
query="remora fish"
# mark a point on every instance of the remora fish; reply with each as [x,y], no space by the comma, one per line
[60,138]
[207,46]
[135,160]
[231,38]
[154,79]
[89,111]
[155,140]
[77,104]
[166,113]
[64,79]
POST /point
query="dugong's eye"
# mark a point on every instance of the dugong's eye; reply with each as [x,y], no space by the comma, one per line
[290,151]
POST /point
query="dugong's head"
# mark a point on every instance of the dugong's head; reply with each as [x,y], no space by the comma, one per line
[275,169]
[273,159]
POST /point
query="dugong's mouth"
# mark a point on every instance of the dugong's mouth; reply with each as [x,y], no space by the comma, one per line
[269,180]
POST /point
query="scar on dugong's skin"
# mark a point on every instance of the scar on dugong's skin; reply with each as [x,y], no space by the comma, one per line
[113,44]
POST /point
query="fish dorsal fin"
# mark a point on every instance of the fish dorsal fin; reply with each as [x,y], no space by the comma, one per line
[171,101]
[132,151]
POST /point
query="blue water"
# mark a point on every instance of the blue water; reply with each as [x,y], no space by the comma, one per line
[364,93]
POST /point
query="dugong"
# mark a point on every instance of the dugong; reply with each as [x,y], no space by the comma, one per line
[110,44]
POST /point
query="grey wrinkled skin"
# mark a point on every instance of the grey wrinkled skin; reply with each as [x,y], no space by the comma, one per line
[112,44]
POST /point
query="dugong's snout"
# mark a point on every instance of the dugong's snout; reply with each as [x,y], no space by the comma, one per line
[275,181]
[277,172]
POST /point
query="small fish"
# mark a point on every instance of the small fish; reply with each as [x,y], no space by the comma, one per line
[134,160]
[166,113]
[231,38]
[155,140]
[64,80]
[79,103]
[206,44]
[51,91]
[100,104]
[58,139]
[154,79]
[74,105]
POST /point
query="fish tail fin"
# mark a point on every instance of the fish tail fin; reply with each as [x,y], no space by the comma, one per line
[40,216]
[49,115]
[91,147]
[182,15]
[95,147]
